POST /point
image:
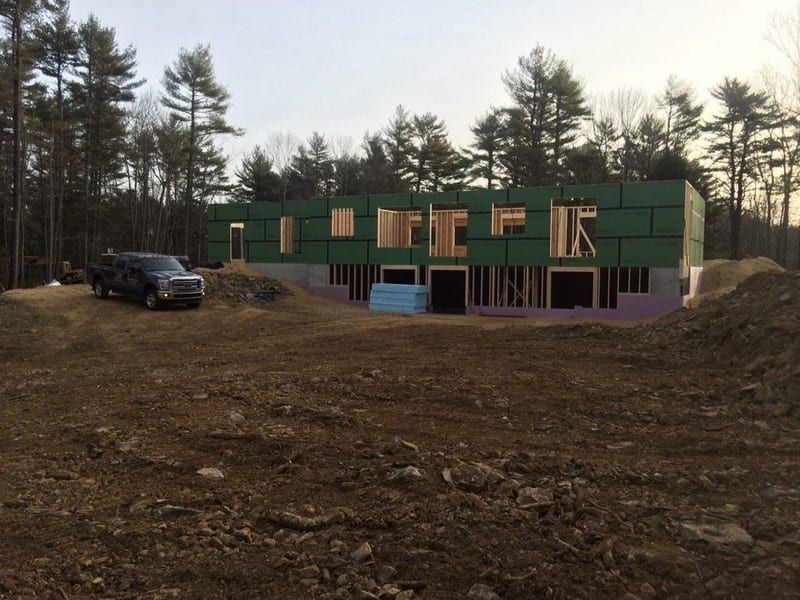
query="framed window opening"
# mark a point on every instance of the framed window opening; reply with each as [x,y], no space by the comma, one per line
[237,242]
[342,222]
[399,227]
[508,219]
[287,235]
[448,230]
[634,280]
[572,227]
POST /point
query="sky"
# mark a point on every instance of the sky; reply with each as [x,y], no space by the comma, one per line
[341,67]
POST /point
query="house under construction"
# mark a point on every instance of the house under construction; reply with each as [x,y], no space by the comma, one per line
[627,250]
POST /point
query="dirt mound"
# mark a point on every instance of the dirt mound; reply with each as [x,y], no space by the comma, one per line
[240,286]
[722,276]
[756,327]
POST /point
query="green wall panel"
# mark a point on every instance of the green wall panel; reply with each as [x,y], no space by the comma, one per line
[219,231]
[347,252]
[264,252]
[314,229]
[606,194]
[388,256]
[219,251]
[310,252]
[254,231]
[486,253]
[273,228]
[306,208]
[388,201]
[424,199]
[366,228]
[607,256]
[211,212]
[623,222]
[668,221]
[231,212]
[478,226]
[537,198]
[537,224]
[530,252]
[482,200]
[264,210]
[651,252]
[359,204]
[654,193]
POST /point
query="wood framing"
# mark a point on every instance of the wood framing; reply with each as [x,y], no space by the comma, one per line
[236,232]
[508,218]
[572,226]
[445,239]
[399,227]
[287,235]
[508,286]
[342,222]
[593,270]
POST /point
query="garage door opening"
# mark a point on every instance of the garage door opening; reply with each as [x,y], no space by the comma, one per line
[402,276]
[569,289]
[448,291]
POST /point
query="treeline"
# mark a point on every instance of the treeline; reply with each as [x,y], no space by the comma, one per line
[88,161]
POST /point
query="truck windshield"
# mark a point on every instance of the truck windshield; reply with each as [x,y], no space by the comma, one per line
[166,263]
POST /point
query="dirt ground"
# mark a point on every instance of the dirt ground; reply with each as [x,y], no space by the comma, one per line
[348,454]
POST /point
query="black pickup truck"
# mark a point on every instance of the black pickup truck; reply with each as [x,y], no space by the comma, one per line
[156,278]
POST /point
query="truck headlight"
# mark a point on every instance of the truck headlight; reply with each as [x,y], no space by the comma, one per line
[163,284]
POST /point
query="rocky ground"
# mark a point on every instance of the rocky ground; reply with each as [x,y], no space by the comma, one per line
[304,449]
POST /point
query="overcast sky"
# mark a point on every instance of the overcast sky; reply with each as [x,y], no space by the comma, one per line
[340,67]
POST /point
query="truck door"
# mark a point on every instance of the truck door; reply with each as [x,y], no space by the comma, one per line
[132,276]
[118,283]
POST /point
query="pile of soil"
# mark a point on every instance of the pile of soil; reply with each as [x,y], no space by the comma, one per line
[241,287]
[722,276]
[755,328]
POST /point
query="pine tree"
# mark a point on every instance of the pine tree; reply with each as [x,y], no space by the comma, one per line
[682,115]
[193,96]
[257,182]
[483,153]
[398,145]
[375,168]
[733,146]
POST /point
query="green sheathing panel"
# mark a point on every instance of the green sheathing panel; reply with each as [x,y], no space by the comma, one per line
[254,231]
[653,193]
[479,225]
[219,231]
[347,252]
[316,207]
[359,204]
[534,198]
[485,253]
[482,200]
[530,252]
[425,199]
[314,229]
[420,255]
[219,251]
[388,256]
[366,228]
[388,201]
[608,195]
[211,212]
[625,222]
[309,253]
[264,210]
[269,252]
[607,256]
[651,252]
[273,230]
[668,221]
[230,212]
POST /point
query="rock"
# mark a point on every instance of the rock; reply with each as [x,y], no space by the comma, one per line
[466,477]
[385,573]
[211,472]
[405,595]
[237,417]
[409,472]
[139,506]
[647,590]
[363,553]
[785,298]
[534,497]
[309,572]
[200,397]
[481,591]
[725,533]
[172,510]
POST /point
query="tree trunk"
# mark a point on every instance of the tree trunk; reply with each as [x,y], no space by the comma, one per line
[189,179]
[16,164]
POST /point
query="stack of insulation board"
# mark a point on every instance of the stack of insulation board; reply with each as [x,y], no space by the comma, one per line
[398,298]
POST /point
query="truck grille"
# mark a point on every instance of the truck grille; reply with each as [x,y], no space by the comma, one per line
[185,285]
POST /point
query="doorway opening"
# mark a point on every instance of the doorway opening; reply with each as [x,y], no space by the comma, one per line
[569,289]
[448,291]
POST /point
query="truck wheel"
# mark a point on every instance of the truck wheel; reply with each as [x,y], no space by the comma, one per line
[151,300]
[99,289]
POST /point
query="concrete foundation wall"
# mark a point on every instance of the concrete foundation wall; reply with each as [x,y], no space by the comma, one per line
[298,274]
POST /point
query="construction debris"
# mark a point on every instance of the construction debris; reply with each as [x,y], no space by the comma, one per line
[241,287]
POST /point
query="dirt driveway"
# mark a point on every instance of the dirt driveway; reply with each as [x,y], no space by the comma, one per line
[347,454]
